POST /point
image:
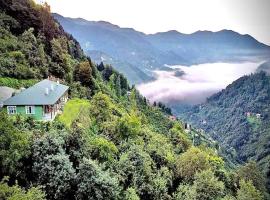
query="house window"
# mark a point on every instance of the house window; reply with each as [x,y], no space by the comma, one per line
[30,109]
[11,110]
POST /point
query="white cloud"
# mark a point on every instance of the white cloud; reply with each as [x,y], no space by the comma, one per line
[198,83]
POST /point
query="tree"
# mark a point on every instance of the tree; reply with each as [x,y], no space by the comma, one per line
[95,183]
[118,86]
[207,186]
[52,166]
[130,194]
[128,126]
[135,168]
[102,149]
[247,191]
[160,149]
[161,184]
[15,192]
[251,172]
[83,73]
[192,161]
[185,192]
[107,72]
[100,67]
[14,145]
[100,108]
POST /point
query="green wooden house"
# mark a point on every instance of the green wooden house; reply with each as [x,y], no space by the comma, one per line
[42,101]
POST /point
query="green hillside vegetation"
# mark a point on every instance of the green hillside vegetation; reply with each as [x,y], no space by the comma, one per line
[108,144]
[241,137]
[17,83]
[72,110]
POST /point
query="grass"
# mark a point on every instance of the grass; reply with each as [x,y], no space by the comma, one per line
[72,110]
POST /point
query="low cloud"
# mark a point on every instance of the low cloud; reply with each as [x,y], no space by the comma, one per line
[197,83]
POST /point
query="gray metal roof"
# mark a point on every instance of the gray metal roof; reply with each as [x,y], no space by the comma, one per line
[36,95]
[5,93]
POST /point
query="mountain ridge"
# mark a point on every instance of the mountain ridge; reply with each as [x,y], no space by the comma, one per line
[148,52]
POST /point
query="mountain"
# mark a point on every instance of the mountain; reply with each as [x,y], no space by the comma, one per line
[207,46]
[239,118]
[109,142]
[134,74]
[147,52]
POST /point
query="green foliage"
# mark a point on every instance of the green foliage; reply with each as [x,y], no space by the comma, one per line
[128,126]
[135,168]
[251,172]
[83,73]
[192,161]
[52,166]
[17,83]
[14,145]
[178,138]
[160,149]
[109,142]
[15,192]
[207,186]
[72,110]
[242,137]
[95,183]
[102,149]
[100,107]
[130,194]
[248,192]
[185,192]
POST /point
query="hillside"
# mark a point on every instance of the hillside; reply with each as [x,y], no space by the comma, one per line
[230,117]
[109,143]
[144,53]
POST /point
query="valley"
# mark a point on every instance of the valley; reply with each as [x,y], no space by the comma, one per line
[92,110]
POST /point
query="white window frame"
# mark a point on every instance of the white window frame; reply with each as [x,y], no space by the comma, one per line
[13,109]
[32,110]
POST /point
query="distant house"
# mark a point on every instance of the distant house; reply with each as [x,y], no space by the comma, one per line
[42,101]
[173,118]
[187,127]
[248,114]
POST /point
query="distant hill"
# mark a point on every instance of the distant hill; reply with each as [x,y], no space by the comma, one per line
[145,53]
[239,118]
[135,75]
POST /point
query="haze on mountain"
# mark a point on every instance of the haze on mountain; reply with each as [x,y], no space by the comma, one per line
[137,54]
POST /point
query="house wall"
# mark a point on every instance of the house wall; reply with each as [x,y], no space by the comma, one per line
[38,112]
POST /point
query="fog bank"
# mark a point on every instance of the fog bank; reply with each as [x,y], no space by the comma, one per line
[195,83]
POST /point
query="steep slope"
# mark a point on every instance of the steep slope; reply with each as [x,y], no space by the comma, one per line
[239,118]
[109,143]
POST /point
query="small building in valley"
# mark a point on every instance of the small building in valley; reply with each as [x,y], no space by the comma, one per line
[42,101]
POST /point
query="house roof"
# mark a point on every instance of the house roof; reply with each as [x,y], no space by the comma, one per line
[36,95]
[5,93]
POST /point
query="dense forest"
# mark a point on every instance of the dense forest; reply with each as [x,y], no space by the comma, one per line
[115,145]
[239,118]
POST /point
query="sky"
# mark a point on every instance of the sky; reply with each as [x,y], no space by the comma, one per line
[186,16]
